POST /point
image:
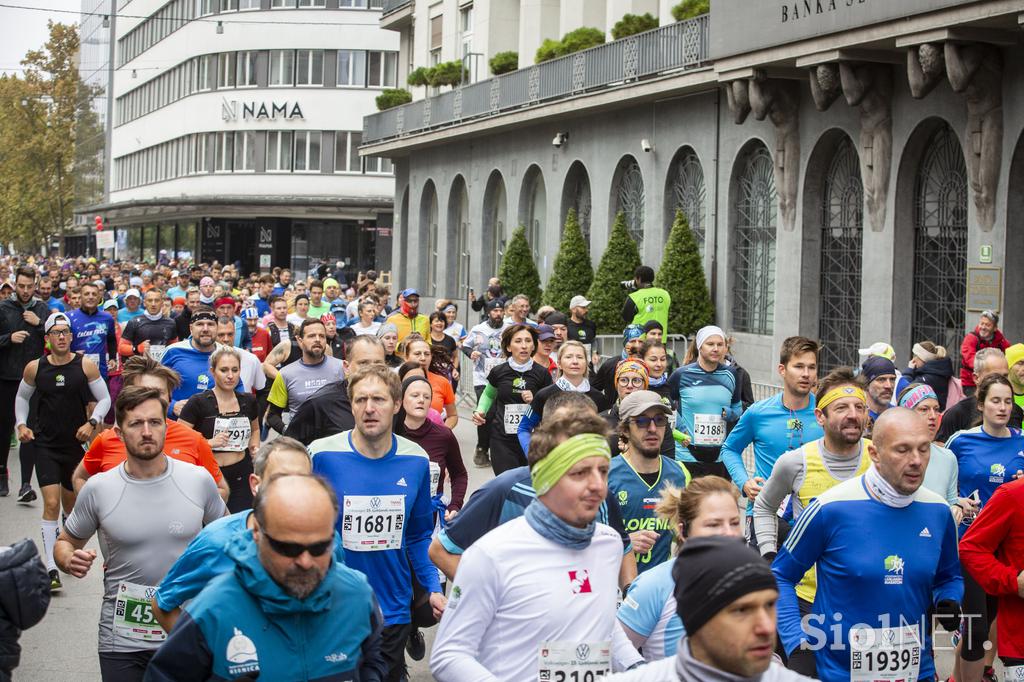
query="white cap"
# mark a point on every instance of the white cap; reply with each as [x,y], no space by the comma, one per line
[880,348]
[579,302]
[55,319]
[132,292]
[174,273]
[110,303]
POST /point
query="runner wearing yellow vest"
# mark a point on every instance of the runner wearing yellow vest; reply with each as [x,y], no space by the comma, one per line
[647,302]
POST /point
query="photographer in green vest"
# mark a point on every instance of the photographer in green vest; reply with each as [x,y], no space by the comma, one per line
[645,301]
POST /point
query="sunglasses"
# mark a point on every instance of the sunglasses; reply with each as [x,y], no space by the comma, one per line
[293,550]
[645,422]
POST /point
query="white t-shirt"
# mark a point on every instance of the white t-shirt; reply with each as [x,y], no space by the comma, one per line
[360,330]
[251,371]
[517,594]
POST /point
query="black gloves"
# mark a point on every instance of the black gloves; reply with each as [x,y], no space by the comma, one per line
[947,614]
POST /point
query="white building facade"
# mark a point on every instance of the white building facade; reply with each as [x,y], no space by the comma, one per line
[235,131]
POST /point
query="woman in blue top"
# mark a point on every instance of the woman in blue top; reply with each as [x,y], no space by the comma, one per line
[988,456]
[707,506]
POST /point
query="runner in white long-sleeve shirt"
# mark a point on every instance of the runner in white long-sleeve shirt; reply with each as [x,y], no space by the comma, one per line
[535,597]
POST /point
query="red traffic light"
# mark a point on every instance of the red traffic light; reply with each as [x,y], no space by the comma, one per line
[99,223]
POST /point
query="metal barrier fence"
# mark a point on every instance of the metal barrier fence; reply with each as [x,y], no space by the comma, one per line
[680,45]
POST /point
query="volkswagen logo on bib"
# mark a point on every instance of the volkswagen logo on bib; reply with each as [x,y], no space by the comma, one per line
[583,652]
[375,503]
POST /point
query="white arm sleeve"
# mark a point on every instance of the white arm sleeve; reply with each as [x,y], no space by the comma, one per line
[454,657]
[624,654]
[21,403]
[102,395]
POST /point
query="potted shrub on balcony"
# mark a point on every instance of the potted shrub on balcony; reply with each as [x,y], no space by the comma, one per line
[631,24]
[392,97]
[504,62]
[688,9]
[573,41]
[419,77]
[448,73]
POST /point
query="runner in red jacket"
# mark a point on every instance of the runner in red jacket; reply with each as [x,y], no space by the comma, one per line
[992,551]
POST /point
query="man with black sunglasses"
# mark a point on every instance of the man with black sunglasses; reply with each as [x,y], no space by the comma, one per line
[638,476]
[289,610]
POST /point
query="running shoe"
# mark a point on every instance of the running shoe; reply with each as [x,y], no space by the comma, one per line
[481,459]
[26,494]
[415,645]
[55,584]
[5,488]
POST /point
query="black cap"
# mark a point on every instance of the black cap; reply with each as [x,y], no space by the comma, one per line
[653,324]
[556,318]
[713,572]
[494,303]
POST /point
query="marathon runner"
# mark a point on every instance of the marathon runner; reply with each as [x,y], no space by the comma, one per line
[57,424]
[604,377]
[989,455]
[191,359]
[878,377]
[964,415]
[227,420]
[418,350]
[384,484]
[704,507]
[641,473]
[877,591]
[204,558]
[511,387]
[941,475]
[149,333]
[146,511]
[407,319]
[251,367]
[535,598]
[483,347]
[579,328]
[784,422]
[21,341]
[95,335]
[180,442]
[297,381]
[709,399]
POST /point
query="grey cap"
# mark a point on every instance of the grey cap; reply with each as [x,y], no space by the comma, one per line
[638,402]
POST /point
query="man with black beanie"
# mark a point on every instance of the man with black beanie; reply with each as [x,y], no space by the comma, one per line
[725,595]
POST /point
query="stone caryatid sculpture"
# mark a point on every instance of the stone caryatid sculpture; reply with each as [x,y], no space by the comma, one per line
[737,95]
[825,85]
[870,88]
[926,66]
[976,70]
[779,100]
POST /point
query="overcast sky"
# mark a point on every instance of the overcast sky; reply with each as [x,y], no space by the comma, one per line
[23,30]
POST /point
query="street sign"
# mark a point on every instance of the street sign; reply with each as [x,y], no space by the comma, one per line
[105,239]
[984,288]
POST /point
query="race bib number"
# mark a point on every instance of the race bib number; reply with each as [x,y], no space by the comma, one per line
[435,478]
[491,363]
[574,661]
[239,429]
[372,522]
[513,415]
[882,654]
[95,357]
[133,614]
[1014,673]
[157,352]
[708,429]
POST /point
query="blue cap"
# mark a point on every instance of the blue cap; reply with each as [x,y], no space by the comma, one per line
[250,313]
[406,293]
[631,332]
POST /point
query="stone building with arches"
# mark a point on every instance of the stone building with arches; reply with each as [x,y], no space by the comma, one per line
[852,170]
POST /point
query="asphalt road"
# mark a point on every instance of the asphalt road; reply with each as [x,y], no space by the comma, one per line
[62,648]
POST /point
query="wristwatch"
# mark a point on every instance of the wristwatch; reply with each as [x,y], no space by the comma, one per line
[93,421]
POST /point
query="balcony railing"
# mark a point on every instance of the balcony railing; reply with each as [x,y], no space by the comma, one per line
[678,46]
[394,5]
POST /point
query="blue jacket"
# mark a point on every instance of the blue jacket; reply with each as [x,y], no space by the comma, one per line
[245,623]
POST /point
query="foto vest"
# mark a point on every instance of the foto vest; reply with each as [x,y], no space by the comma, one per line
[818,480]
[651,303]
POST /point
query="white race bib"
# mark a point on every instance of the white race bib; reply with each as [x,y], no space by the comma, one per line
[372,522]
[157,351]
[239,429]
[881,654]
[435,477]
[513,415]
[1014,673]
[133,613]
[95,357]
[491,363]
[708,429]
[564,661]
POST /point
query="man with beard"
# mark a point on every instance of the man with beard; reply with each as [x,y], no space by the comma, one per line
[284,573]
[147,510]
[299,380]
[93,331]
[807,472]
[483,347]
[878,377]
[641,473]
[21,342]
[191,359]
[149,333]
[408,318]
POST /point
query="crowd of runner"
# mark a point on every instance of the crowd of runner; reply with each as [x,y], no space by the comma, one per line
[269,464]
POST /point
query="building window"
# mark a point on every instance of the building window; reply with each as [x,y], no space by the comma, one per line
[307,151]
[346,152]
[227,70]
[629,199]
[377,165]
[207,7]
[309,67]
[353,4]
[381,69]
[246,69]
[279,151]
[352,67]
[248,4]
[223,153]
[282,67]
[283,4]
[466,29]
[228,5]
[756,210]
[245,151]
[436,32]
[688,195]
[204,72]
[312,3]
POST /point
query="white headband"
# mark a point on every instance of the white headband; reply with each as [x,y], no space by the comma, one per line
[706,333]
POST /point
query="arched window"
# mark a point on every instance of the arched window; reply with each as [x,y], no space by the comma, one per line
[532,211]
[842,221]
[629,198]
[428,221]
[494,216]
[458,231]
[940,241]
[756,215]
[687,194]
[576,195]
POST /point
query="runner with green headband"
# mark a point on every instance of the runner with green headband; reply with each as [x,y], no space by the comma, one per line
[535,597]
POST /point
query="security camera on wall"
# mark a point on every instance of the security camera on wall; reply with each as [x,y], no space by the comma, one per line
[646,145]
[560,139]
